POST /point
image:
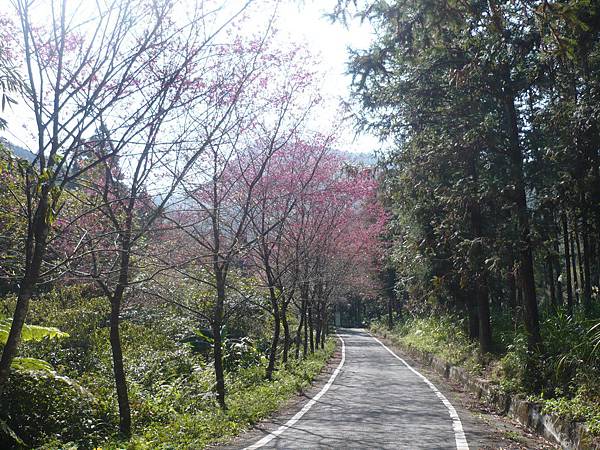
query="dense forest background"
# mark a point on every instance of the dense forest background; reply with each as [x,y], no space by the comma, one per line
[492,110]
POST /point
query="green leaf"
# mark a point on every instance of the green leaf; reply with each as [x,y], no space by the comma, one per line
[30,332]
[31,364]
[203,336]
[44,176]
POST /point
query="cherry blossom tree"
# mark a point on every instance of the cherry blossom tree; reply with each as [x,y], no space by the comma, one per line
[336,234]
[214,215]
[114,82]
[285,178]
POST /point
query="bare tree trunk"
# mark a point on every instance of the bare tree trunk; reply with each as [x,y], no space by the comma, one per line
[526,272]
[579,260]
[565,232]
[587,273]
[556,260]
[512,286]
[310,328]
[217,341]
[305,346]
[585,263]
[473,315]
[317,311]
[318,324]
[594,263]
[118,367]
[324,328]
[317,334]
[574,267]
[299,331]
[481,292]
[286,333]
[485,327]
[551,281]
[402,301]
[276,332]
[14,336]
[37,235]
[116,300]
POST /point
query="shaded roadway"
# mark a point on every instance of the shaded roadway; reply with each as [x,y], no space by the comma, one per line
[375,402]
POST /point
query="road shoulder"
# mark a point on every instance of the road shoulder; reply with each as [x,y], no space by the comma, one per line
[290,408]
[484,428]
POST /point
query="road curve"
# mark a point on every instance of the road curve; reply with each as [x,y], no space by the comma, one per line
[374,400]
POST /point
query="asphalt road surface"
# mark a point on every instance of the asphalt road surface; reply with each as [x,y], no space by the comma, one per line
[372,400]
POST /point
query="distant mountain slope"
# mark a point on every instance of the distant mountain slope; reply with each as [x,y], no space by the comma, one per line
[359,158]
[19,152]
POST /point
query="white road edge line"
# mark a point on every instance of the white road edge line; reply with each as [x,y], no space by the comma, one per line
[290,423]
[459,434]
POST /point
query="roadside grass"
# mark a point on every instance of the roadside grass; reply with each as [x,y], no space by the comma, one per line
[443,337]
[250,400]
[514,436]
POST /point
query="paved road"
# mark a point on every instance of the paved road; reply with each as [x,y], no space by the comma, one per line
[375,401]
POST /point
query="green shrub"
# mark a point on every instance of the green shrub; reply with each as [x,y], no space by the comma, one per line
[578,409]
[39,406]
[512,368]
[251,398]
[443,336]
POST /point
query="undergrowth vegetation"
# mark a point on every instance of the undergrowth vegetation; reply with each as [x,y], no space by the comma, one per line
[171,379]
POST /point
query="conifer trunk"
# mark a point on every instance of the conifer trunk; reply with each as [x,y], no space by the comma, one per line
[565,233]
